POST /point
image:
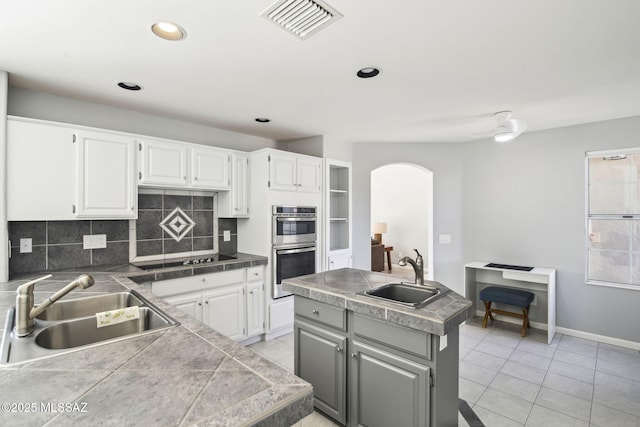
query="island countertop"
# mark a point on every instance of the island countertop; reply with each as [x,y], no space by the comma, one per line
[185,375]
[340,288]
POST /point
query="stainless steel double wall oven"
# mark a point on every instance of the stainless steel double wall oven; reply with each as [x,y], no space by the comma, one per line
[294,240]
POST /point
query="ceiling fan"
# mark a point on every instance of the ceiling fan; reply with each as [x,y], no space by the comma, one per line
[508,128]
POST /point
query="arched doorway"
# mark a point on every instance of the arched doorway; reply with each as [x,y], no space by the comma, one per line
[402,198]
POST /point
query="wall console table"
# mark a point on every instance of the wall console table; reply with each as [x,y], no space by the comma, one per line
[539,280]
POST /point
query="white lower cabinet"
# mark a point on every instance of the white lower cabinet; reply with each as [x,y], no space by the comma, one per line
[225,311]
[231,302]
[188,303]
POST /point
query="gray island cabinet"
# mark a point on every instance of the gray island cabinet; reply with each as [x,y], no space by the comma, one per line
[372,362]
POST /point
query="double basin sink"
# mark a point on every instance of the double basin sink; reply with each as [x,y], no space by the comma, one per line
[409,295]
[70,325]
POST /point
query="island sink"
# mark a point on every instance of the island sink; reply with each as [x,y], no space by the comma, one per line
[416,296]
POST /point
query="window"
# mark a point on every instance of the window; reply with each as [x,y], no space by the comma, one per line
[613,218]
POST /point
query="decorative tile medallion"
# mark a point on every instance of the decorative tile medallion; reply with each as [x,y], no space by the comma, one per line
[177,224]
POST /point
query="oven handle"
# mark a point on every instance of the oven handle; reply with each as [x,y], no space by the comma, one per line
[295,251]
[295,219]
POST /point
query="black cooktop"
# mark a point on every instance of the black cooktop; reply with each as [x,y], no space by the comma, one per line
[194,261]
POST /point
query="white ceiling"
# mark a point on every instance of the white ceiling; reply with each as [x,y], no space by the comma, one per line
[447,65]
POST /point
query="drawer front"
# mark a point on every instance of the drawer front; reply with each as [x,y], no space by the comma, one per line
[321,312]
[196,283]
[399,337]
[255,273]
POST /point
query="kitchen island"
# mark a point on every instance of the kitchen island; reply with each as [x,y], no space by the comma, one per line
[185,375]
[374,362]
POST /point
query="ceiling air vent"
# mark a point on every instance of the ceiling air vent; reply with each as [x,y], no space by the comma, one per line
[301,18]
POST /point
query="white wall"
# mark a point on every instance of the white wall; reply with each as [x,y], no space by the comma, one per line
[40,105]
[399,198]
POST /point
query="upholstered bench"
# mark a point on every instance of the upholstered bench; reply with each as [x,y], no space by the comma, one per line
[509,296]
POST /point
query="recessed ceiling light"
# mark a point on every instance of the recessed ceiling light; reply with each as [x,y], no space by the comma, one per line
[262,120]
[368,72]
[168,31]
[129,86]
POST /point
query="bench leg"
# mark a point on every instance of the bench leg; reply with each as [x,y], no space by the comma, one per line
[525,321]
[487,313]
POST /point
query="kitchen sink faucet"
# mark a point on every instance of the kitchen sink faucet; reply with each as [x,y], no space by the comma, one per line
[26,313]
[418,266]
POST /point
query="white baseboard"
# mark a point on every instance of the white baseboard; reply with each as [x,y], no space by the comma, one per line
[571,332]
[601,338]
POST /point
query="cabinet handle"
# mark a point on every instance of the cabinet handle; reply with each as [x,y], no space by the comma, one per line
[354,355]
[196,178]
[200,303]
[316,312]
[132,208]
[184,177]
[73,208]
[206,302]
[338,349]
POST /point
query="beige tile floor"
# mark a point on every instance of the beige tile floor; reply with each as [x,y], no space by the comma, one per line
[521,382]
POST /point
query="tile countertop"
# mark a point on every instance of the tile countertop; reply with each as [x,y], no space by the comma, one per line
[185,375]
[340,288]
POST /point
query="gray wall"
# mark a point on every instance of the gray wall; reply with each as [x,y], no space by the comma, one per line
[524,203]
[446,162]
[44,106]
[521,203]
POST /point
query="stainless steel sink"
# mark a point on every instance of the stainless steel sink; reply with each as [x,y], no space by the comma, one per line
[88,306]
[73,327]
[78,332]
[416,296]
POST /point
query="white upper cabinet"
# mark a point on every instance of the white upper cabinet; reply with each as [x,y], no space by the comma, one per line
[235,202]
[210,168]
[63,172]
[162,163]
[293,172]
[182,165]
[41,171]
[106,176]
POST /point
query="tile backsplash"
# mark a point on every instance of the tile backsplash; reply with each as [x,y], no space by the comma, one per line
[170,223]
[58,245]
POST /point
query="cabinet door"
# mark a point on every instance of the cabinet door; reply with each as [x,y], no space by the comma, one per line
[387,390]
[240,185]
[41,172]
[191,304]
[106,176]
[320,358]
[308,174]
[337,261]
[162,163]
[210,168]
[282,172]
[255,308]
[224,311]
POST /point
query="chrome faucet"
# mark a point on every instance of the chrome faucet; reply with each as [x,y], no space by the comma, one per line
[26,313]
[418,266]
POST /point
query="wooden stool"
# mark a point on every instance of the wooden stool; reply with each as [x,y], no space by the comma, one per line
[508,296]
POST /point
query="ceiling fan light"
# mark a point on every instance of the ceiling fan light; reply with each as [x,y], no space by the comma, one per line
[503,134]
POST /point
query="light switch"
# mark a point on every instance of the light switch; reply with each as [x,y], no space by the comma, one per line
[25,246]
[444,239]
[226,235]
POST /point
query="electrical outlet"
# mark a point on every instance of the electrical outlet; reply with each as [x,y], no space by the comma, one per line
[25,246]
[226,235]
[94,241]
